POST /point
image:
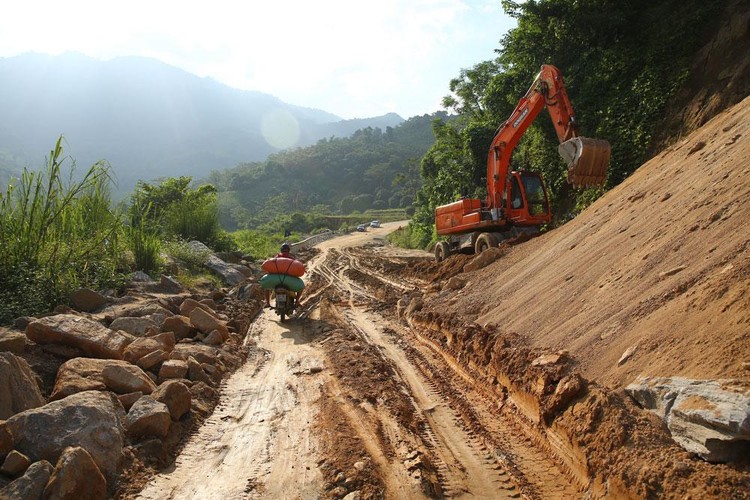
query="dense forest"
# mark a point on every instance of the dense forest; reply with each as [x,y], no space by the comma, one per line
[372,169]
[622,62]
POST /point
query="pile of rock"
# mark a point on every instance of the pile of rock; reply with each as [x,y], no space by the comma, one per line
[137,374]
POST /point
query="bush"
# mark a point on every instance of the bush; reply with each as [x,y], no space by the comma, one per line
[56,236]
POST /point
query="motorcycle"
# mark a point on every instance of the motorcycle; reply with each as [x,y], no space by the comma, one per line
[284,302]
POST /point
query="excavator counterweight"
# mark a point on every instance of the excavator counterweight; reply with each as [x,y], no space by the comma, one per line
[587,161]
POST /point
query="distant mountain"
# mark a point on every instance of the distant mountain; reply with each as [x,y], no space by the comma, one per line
[148,119]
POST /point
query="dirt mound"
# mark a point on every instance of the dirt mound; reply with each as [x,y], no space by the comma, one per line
[658,267]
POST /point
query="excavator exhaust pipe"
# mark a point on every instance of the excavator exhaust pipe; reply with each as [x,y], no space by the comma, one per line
[587,161]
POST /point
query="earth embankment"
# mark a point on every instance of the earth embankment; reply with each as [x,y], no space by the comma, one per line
[651,280]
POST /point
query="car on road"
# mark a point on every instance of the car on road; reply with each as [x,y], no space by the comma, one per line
[375,223]
[361,228]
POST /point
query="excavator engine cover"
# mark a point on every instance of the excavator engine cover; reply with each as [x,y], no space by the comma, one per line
[587,161]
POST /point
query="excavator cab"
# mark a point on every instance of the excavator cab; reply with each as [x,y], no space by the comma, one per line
[528,204]
[587,161]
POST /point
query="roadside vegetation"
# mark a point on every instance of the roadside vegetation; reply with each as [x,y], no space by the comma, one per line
[60,231]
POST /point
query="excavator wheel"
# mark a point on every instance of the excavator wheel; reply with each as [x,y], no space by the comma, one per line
[587,161]
[485,241]
[442,251]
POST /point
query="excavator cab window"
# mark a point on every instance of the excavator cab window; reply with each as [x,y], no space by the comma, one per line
[535,194]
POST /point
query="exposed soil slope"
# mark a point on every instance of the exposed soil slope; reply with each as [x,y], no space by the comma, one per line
[659,265]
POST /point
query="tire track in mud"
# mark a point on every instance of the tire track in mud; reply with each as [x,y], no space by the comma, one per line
[463,468]
[258,443]
[488,429]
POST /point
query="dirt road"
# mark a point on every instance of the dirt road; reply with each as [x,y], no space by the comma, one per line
[348,399]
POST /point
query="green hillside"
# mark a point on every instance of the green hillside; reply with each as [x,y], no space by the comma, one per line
[372,169]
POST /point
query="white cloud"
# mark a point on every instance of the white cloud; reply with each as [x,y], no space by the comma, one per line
[351,58]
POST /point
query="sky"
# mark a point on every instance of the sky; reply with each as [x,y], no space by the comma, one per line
[352,58]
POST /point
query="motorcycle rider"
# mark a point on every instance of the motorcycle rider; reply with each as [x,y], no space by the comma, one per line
[286,253]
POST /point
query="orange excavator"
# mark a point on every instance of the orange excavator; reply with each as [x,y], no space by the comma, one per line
[517,201]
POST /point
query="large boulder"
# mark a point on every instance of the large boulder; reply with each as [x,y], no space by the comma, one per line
[15,464]
[176,396]
[207,323]
[188,305]
[76,476]
[173,368]
[11,341]
[81,374]
[18,387]
[31,484]
[87,300]
[142,346]
[91,419]
[202,353]
[134,325]
[229,274]
[148,418]
[92,338]
[124,379]
[180,325]
[710,418]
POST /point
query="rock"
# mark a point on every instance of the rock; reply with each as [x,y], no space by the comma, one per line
[15,464]
[152,359]
[710,418]
[202,353]
[214,338]
[415,304]
[210,303]
[547,359]
[14,342]
[189,305]
[145,345]
[455,283]
[567,389]
[484,259]
[123,379]
[176,396]
[195,371]
[206,322]
[6,441]
[127,400]
[141,277]
[31,484]
[22,322]
[19,390]
[91,419]
[81,374]
[169,283]
[173,368]
[90,337]
[166,339]
[148,418]
[180,326]
[218,266]
[243,269]
[76,475]
[627,355]
[87,300]
[672,271]
[133,325]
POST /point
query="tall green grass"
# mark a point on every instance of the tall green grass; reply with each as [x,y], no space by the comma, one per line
[56,234]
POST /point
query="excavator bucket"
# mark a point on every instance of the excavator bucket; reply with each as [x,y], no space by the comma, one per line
[587,161]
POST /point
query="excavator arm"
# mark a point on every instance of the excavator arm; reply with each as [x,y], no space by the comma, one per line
[587,159]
